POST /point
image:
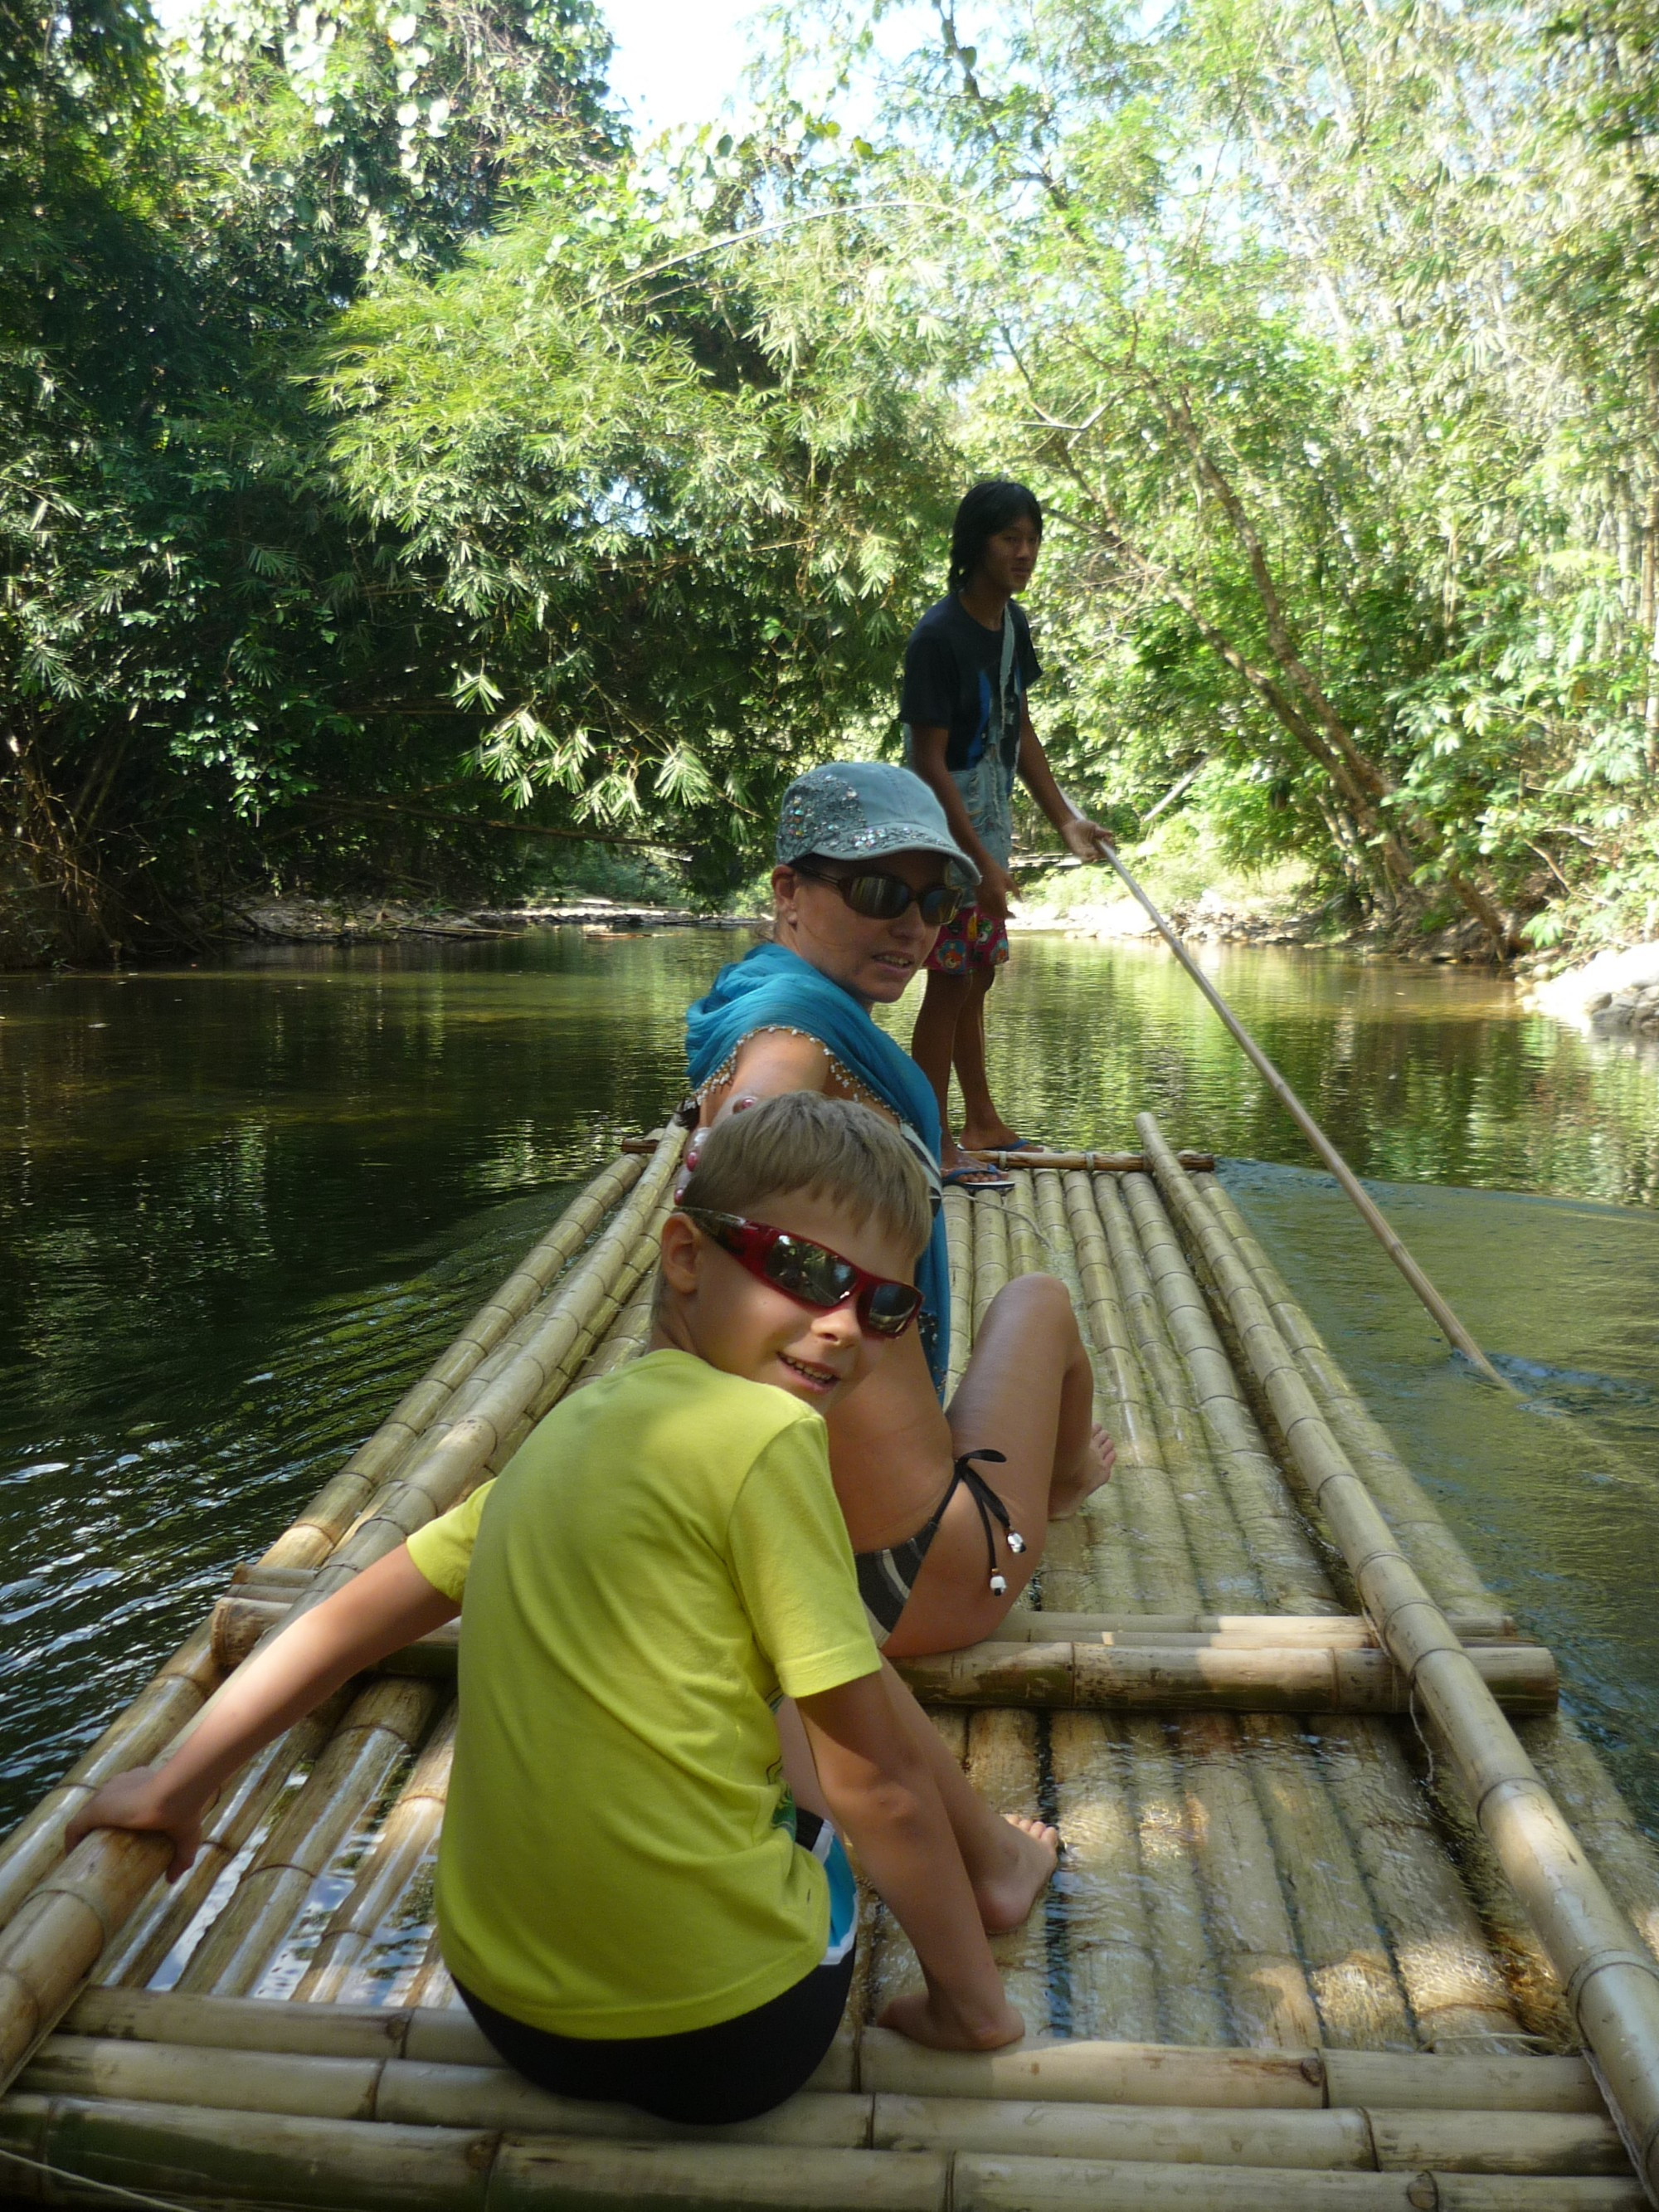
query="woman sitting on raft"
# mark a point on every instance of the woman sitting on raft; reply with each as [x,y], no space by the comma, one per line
[947,1508]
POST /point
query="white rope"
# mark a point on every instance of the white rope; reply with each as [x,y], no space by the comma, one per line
[86,2181]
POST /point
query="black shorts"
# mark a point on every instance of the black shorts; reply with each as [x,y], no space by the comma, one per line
[709,2077]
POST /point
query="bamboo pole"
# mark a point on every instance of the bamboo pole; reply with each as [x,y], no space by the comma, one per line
[1261,1968]
[1093,1163]
[400,2091]
[1106,1674]
[1101,1886]
[164,1922]
[407,1838]
[381,1727]
[1611,1986]
[1368,1210]
[1290,1571]
[1350,1971]
[172,1697]
[1192,2002]
[1084,2070]
[1225,1574]
[385,2167]
[1072,1544]
[991,1254]
[959,1228]
[1162,1564]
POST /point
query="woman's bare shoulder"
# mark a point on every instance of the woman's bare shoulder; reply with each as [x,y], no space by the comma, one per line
[771,1061]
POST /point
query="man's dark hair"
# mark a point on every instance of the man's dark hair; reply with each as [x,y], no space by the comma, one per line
[988,507]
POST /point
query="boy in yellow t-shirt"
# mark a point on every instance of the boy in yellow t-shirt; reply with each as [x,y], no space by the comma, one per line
[631,1904]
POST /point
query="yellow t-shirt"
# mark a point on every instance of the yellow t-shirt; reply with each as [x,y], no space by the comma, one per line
[661,1558]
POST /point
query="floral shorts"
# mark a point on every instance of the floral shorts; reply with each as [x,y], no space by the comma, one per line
[973,939]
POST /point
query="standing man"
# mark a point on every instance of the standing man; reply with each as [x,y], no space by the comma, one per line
[968,730]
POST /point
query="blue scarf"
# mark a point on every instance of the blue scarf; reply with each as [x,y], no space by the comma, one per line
[773,989]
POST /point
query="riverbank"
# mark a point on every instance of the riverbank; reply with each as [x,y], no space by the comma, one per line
[321,921]
[1615,995]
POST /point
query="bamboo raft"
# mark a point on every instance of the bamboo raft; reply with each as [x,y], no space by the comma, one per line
[1350,1914]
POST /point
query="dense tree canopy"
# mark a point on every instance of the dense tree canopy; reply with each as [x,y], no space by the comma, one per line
[387,454]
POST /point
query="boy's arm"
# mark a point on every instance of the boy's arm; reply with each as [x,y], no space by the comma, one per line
[927,745]
[387,1606]
[880,1794]
[1077,833]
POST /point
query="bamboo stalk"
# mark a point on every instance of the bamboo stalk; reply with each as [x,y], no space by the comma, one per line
[1066,1573]
[407,1838]
[402,2093]
[1192,2004]
[1284,1558]
[982,2183]
[1457,1993]
[172,1697]
[1610,1981]
[381,1726]
[165,1920]
[1093,1163]
[1260,1969]
[959,1228]
[1361,2003]
[1167,1676]
[1101,1887]
[1139,1491]
[1085,2071]
[1225,1571]
[991,1254]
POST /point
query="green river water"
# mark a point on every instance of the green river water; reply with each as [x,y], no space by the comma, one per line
[242,1205]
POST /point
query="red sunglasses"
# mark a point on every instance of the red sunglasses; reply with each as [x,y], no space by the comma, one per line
[810,1274]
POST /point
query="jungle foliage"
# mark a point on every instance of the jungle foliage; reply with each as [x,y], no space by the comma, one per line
[400,476]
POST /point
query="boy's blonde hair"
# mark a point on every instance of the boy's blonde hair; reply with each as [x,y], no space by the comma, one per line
[830,1148]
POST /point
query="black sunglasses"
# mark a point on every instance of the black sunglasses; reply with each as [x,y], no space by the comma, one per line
[880,897]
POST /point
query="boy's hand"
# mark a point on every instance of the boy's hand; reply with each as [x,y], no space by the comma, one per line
[928,2016]
[139,1800]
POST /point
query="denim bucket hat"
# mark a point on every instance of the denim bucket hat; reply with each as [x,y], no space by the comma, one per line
[856,810]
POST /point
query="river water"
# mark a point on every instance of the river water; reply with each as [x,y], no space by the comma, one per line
[242,1205]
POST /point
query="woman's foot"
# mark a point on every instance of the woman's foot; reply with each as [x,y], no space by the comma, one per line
[1005,1896]
[1092,1473]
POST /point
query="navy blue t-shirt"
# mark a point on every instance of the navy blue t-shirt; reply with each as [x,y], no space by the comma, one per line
[951,666]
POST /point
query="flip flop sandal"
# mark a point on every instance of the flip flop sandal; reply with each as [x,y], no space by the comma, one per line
[986,1178]
[1021,1144]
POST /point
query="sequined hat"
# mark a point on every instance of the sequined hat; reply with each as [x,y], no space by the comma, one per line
[856,810]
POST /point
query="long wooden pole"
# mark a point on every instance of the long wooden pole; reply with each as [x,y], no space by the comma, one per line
[1375,1220]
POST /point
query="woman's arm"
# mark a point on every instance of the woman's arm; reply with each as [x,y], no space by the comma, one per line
[387,1606]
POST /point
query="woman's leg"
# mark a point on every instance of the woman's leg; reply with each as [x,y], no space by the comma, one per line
[1028,1393]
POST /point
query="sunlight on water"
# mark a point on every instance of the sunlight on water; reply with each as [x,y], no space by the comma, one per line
[243,1205]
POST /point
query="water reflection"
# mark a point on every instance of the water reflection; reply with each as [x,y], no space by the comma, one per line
[242,1205]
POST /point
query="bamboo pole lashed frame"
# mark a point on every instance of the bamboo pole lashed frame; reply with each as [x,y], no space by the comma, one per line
[1260,1899]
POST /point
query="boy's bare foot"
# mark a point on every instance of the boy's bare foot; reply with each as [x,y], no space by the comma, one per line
[1006,1898]
[1094,1470]
[998,1138]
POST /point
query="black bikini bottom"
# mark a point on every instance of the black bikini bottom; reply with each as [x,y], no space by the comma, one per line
[886,1577]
